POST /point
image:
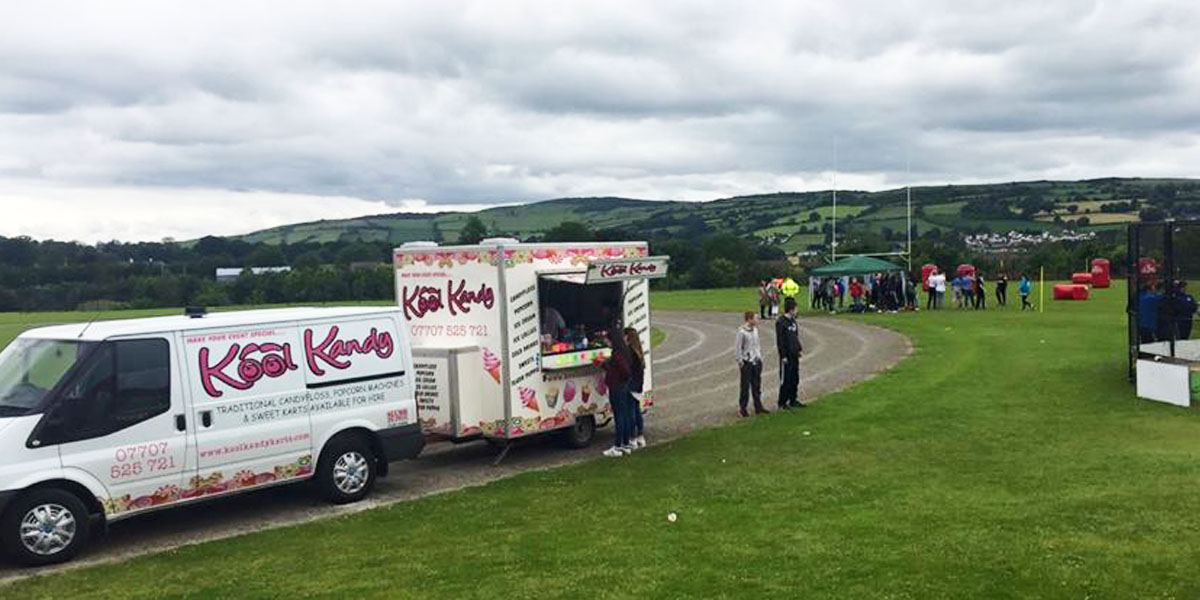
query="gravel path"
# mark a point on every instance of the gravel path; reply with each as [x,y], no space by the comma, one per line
[696,387]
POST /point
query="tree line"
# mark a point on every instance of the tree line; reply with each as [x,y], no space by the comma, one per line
[53,275]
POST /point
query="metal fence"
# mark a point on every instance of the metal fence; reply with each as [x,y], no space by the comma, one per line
[1163,266]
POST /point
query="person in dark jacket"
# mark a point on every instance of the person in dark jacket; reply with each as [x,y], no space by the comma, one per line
[616,377]
[1185,311]
[1002,290]
[787,342]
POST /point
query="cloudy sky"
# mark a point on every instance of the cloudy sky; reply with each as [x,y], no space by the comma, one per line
[141,120]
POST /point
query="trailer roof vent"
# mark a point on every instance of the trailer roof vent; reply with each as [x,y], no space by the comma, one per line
[195,312]
[499,241]
[422,244]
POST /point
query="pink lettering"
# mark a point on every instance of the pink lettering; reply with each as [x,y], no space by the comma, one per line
[274,360]
[332,351]
[421,300]
[460,299]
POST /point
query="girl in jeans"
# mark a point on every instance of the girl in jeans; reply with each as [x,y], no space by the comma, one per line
[616,376]
[637,374]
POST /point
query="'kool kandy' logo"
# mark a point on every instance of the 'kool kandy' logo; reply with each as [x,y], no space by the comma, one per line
[425,299]
[255,361]
[618,269]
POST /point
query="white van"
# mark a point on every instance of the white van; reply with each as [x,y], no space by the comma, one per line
[103,421]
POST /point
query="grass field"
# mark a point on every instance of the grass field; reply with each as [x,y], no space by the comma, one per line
[1007,458]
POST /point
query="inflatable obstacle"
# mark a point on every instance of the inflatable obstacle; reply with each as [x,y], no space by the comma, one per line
[1070,291]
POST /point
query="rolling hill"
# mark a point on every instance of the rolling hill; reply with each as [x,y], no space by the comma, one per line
[795,221]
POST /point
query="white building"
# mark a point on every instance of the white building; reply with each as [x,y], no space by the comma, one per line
[232,273]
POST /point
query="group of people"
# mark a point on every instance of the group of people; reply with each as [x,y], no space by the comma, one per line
[1165,316]
[880,291]
[624,373]
[772,292]
[969,290]
[747,352]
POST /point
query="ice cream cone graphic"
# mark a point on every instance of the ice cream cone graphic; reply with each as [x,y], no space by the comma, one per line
[529,399]
[491,363]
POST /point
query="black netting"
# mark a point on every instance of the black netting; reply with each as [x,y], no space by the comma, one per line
[1164,267]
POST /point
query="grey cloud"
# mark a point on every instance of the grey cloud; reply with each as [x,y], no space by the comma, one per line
[487,102]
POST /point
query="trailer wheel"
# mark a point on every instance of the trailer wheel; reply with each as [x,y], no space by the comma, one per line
[347,469]
[45,526]
[580,434]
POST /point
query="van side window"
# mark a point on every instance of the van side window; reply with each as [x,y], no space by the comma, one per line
[143,382]
[124,383]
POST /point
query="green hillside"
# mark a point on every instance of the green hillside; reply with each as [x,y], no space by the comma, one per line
[795,221]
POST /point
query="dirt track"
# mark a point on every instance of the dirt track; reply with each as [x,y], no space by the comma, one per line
[695,386]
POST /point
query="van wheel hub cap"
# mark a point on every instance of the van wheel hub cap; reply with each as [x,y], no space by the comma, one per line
[47,529]
[350,473]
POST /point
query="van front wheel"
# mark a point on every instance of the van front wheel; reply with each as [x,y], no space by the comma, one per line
[45,526]
[346,472]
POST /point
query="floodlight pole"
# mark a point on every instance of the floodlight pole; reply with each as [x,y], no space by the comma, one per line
[833,230]
[908,200]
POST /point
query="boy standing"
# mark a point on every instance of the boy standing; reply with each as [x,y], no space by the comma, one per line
[787,341]
[748,353]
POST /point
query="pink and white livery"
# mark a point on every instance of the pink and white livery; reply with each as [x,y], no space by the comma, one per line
[103,421]
[482,364]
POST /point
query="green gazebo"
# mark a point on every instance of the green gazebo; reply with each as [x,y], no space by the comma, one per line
[855,265]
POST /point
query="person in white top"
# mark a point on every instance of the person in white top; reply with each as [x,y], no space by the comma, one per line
[937,283]
[748,352]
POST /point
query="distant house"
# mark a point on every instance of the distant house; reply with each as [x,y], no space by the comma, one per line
[228,274]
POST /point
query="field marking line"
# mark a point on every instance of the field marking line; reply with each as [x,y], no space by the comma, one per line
[819,344]
[701,338]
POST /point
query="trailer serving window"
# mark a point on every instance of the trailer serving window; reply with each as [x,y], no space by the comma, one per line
[572,314]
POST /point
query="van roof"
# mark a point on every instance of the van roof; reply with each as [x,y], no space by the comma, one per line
[102,330]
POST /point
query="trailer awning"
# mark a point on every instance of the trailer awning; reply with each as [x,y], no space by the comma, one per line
[577,278]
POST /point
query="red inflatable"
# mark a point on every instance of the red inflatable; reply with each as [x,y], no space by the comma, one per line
[1148,271]
[1070,291]
[1101,272]
[1081,278]
[926,271]
[966,270]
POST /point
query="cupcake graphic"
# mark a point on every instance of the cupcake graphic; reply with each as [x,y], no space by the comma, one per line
[568,393]
[529,399]
[491,363]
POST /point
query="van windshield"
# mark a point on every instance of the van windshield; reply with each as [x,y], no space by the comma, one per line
[29,369]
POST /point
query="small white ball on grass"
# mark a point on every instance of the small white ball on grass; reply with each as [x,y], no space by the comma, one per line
[806,433]
[672,516]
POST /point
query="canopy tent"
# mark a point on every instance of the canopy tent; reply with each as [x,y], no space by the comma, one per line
[855,265]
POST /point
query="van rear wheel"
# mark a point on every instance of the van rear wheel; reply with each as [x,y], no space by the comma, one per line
[45,526]
[347,469]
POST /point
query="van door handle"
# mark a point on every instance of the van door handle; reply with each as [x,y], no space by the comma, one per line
[181,422]
[206,418]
